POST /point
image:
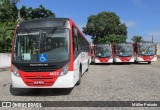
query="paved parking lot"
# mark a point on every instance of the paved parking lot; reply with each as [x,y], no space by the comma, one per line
[103,82]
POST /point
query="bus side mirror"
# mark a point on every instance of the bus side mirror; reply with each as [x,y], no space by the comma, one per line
[5,33]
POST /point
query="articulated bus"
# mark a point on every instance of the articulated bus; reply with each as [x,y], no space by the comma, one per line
[145,52]
[124,52]
[48,53]
[102,53]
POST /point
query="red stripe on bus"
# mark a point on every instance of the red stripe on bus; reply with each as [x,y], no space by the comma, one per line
[103,59]
[147,58]
[13,46]
[125,59]
[71,68]
[39,78]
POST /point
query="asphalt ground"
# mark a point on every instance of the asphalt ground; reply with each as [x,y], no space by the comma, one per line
[103,82]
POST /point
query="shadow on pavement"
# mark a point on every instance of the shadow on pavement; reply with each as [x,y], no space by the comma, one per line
[123,63]
[100,63]
[40,91]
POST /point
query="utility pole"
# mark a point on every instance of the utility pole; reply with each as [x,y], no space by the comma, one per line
[152,38]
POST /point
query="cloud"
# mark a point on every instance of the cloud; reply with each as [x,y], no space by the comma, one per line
[129,24]
[138,3]
[155,34]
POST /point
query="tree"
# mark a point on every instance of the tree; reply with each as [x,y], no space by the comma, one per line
[40,12]
[104,26]
[111,38]
[8,18]
[137,38]
[8,11]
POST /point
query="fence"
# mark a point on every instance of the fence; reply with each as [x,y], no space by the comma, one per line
[5,60]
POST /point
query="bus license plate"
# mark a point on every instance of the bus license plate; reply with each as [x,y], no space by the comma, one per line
[38,82]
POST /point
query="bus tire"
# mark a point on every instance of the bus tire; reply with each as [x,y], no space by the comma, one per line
[80,74]
[149,62]
[88,66]
[15,91]
[135,62]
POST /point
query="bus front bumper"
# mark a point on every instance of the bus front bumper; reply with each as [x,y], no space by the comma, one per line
[140,59]
[66,81]
[98,61]
[119,60]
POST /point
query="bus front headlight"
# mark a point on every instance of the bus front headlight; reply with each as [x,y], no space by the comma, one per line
[64,70]
[15,71]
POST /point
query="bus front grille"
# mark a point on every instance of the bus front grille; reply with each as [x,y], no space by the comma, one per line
[38,69]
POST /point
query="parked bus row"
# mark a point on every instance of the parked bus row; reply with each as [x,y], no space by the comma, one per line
[53,53]
[124,52]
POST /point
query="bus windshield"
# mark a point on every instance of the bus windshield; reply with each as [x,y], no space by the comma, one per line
[53,44]
[103,51]
[147,49]
[124,50]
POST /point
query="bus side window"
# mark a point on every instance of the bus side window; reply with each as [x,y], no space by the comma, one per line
[79,42]
[75,42]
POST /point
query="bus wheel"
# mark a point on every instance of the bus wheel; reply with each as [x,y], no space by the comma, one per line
[135,62]
[80,74]
[16,91]
[88,66]
[149,62]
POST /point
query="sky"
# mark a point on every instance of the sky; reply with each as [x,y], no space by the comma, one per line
[142,17]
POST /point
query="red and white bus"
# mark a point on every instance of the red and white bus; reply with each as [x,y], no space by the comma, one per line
[48,53]
[145,52]
[124,52]
[102,53]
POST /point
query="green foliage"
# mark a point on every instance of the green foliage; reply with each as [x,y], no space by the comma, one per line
[104,26]
[40,12]
[137,38]
[112,38]
[9,17]
[8,11]
[5,46]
